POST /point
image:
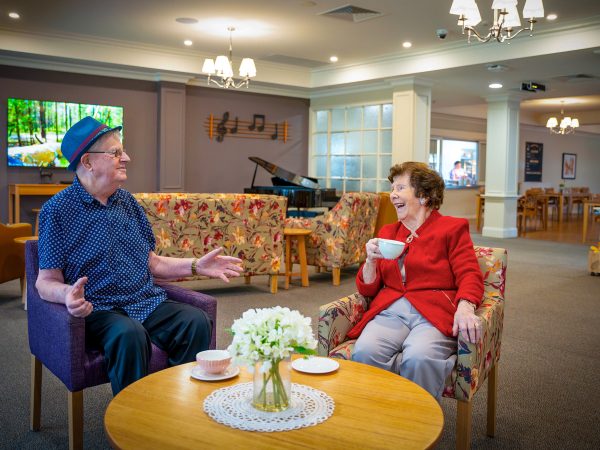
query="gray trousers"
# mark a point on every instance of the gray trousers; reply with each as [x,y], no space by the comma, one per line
[401,340]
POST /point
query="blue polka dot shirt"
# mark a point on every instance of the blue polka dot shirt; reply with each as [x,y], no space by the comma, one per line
[110,244]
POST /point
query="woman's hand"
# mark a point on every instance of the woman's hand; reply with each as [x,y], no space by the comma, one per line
[373,252]
[467,322]
[369,271]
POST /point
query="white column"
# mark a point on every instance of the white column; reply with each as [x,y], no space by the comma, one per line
[411,127]
[502,163]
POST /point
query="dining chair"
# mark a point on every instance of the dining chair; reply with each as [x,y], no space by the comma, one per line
[581,194]
[475,362]
[527,210]
[552,201]
[57,341]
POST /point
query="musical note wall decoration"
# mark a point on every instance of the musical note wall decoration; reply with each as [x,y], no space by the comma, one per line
[235,128]
[257,128]
[253,125]
[274,136]
[221,128]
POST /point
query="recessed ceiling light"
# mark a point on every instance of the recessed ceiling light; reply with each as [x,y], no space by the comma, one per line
[187,42]
[333,58]
[495,86]
[14,15]
[407,44]
[551,16]
[186,20]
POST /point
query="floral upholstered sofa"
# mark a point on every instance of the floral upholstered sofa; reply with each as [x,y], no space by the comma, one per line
[339,237]
[249,226]
[475,362]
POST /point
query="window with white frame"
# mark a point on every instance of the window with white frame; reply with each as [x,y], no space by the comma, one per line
[352,147]
[455,160]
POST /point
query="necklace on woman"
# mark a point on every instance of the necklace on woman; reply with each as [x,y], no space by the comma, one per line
[413,234]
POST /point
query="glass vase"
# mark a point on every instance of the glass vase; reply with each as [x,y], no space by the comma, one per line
[271,385]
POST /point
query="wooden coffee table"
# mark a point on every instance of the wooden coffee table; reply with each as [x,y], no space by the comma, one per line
[373,409]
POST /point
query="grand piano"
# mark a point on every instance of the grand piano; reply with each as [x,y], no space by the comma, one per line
[301,192]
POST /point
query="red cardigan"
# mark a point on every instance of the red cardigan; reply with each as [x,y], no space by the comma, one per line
[440,267]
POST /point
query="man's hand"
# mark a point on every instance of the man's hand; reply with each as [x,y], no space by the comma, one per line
[467,322]
[75,300]
[216,266]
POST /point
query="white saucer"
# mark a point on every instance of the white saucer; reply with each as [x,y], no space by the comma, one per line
[315,364]
[200,374]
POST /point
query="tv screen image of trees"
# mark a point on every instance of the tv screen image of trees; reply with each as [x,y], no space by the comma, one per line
[36,128]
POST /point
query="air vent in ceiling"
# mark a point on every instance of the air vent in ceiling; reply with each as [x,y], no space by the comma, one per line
[497,68]
[352,13]
[283,59]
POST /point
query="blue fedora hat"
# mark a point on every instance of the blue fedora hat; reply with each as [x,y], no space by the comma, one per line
[79,138]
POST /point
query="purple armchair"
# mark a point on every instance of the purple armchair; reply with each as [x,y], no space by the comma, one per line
[57,340]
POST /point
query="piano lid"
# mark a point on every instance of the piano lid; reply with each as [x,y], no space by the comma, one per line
[284,174]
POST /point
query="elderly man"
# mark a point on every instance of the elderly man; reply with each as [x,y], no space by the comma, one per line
[96,252]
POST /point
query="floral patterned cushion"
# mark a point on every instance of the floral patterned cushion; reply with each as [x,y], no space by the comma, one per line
[249,226]
[474,360]
[338,238]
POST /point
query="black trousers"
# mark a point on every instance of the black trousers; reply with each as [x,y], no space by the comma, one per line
[181,330]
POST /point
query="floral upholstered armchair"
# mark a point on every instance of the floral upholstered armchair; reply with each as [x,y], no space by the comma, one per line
[248,226]
[475,362]
[338,238]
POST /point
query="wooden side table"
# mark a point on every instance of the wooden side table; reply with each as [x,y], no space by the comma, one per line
[22,240]
[300,235]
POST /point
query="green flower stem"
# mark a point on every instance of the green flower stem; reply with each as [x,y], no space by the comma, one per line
[280,397]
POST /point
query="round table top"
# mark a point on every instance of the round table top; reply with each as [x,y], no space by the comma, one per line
[23,239]
[374,408]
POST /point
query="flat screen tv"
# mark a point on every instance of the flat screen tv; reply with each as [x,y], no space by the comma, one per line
[35,129]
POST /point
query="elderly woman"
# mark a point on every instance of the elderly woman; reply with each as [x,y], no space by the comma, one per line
[426,296]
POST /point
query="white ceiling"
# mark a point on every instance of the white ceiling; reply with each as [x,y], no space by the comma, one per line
[291,43]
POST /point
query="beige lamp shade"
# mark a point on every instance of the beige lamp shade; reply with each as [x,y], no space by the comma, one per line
[208,66]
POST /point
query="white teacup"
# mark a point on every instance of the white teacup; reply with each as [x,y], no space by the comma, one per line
[389,248]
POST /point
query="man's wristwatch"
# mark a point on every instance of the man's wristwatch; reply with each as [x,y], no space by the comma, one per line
[194,262]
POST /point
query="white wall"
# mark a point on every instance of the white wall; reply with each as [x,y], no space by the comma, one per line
[585,145]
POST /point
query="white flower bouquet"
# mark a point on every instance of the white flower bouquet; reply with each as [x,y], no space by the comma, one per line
[262,339]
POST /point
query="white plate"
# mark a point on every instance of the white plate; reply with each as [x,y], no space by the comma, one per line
[315,364]
[200,374]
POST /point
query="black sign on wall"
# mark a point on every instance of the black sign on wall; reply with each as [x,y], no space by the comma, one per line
[534,153]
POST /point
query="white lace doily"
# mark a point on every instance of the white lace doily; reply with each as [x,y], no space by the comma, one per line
[232,406]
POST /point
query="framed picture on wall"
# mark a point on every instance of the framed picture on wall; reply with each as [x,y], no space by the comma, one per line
[569,166]
[534,153]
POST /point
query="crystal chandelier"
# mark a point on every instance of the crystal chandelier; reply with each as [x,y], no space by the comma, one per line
[567,124]
[222,67]
[506,18]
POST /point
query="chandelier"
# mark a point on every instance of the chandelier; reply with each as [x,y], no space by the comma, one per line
[506,18]
[222,67]
[567,124]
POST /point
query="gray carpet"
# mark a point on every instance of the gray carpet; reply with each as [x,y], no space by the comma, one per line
[548,392]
